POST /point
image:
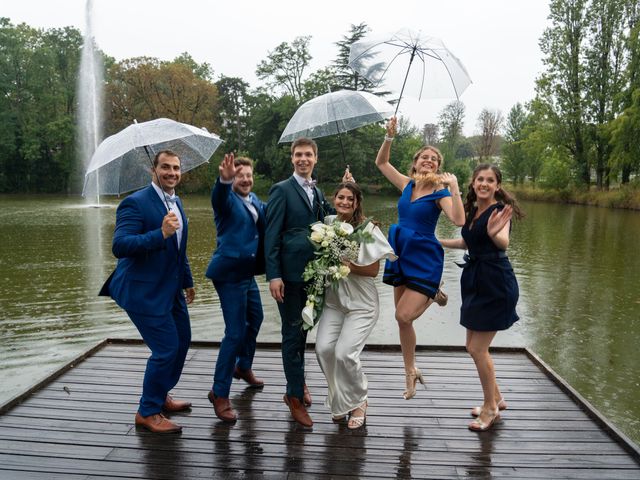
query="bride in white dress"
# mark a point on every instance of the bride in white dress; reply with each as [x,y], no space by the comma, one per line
[349,315]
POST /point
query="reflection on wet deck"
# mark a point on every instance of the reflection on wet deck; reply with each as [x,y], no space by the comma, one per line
[79,424]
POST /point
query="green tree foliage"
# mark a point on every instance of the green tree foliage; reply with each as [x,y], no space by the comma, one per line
[345,76]
[285,66]
[233,111]
[514,160]
[37,107]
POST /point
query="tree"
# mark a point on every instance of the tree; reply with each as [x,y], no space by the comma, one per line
[430,133]
[233,111]
[514,159]
[450,121]
[560,89]
[604,54]
[285,65]
[345,76]
[146,88]
[489,123]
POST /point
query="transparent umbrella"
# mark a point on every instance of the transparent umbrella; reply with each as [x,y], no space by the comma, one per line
[418,65]
[122,162]
[335,113]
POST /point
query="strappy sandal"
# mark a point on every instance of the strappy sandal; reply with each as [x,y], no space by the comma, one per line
[502,405]
[356,422]
[478,425]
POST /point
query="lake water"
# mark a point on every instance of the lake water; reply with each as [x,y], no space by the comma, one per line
[577,268]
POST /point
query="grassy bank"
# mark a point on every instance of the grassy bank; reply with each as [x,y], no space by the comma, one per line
[620,197]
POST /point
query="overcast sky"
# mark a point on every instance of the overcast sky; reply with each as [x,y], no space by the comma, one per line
[496,40]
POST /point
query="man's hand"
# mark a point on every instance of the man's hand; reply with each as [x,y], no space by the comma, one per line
[276,287]
[226,169]
[190,294]
[170,224]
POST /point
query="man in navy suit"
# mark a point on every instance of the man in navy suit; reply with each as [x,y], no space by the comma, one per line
[294,204]
[148,283]
[240,220]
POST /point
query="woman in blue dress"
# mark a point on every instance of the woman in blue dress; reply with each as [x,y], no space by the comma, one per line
[488,285]
[417,273]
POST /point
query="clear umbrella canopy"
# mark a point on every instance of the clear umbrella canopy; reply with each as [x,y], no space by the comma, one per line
[334,113]
[411,63]
[122,162]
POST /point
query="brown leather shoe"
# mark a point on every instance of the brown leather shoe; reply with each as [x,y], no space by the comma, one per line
[298,411]
[222,408]
[157,423]
[249,377]
[171,405]
[306,397]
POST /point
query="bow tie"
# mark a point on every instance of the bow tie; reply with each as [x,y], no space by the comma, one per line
[309,183]
[171,200]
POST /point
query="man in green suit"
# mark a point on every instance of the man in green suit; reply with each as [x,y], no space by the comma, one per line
[294,204]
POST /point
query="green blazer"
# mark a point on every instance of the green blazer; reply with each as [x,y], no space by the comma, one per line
[289,216]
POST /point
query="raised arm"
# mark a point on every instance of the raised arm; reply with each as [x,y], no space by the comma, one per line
[452,206]
[382,160]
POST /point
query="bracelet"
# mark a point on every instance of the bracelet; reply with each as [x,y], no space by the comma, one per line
[387,138]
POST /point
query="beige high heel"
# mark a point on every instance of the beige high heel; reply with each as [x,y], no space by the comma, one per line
[478,425]
[412,380]
[502,405]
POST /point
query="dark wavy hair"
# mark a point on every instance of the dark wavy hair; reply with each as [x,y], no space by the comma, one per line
[358,215]
[502,195]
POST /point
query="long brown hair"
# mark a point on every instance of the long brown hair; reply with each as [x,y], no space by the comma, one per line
[358,215]
[412,168]
[501,194]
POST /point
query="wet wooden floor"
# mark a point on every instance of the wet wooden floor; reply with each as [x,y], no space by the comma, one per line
[79,425]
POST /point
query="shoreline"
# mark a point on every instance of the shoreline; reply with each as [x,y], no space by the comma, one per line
[625,198]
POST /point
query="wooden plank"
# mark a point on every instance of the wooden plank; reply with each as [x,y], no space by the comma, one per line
[82,422]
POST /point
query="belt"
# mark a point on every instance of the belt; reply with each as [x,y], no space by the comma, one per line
[470,258]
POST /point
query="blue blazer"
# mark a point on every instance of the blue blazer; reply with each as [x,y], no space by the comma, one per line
[151,270]
[239,252]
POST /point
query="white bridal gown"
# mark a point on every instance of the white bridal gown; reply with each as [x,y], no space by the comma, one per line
[349,315]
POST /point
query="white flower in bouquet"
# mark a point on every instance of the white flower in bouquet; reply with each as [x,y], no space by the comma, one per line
[335,244]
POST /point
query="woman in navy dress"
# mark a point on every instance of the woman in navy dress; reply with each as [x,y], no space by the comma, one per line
[488,285]
[417,273]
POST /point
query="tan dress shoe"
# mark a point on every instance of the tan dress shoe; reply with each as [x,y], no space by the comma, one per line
[298,411]
[157,423]
[306,397]
[171,405]
[222,408]
[249,377]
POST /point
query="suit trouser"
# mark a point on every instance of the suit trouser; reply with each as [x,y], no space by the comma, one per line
[294,338]
[168,337]
[242,312]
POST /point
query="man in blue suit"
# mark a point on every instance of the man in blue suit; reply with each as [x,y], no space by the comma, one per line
[294,204]
[240,220]
[148,282]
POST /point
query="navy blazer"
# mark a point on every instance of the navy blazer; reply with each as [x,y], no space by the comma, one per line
[151,270]
[289,216]
[239,252]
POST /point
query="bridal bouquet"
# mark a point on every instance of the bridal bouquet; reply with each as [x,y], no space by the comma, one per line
[334,243]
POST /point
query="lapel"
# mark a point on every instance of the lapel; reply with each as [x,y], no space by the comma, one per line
[183,241]
[244,206]
[301,192]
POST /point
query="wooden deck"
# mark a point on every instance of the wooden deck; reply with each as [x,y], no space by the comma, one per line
[78,424]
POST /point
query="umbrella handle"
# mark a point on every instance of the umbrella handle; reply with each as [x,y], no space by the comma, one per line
[413,54]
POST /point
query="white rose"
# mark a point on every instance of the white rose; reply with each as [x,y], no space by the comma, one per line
[330,234]
[344,270]
[325,244]
[318,227]
[317,236]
